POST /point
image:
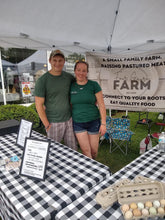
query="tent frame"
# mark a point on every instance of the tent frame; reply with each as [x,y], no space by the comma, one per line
[2,79]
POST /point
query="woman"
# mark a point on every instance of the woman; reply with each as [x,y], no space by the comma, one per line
[85,94]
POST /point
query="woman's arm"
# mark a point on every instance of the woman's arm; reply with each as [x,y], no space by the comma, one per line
[39,102]
[102,109]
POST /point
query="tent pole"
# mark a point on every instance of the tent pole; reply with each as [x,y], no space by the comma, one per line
[2,79]
[114,23]
[48,55]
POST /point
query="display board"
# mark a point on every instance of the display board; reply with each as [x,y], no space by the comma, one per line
[35,158]
[133,83]
[25,130]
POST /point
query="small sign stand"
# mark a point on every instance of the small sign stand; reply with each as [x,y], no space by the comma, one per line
[35,158]
[25,130]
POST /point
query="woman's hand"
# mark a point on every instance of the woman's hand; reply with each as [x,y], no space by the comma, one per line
[102,110]
[102,129]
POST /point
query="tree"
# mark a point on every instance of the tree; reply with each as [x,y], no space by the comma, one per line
[16,55]
[75,57]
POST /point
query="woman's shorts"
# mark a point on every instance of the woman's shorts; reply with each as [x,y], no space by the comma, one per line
[92,127]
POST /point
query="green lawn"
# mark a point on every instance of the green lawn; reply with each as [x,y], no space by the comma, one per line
[117,159]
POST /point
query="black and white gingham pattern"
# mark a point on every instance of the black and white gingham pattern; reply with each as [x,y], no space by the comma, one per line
[151,165]
[69,175]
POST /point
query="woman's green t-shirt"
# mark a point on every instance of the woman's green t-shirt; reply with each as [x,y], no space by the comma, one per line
[83,100]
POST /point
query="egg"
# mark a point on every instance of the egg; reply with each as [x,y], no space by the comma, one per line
[162,202]
[148,204]
[133,205]
[140,205]
[125,207]
[137,212]
[145,212]
[160,210]
[152,211]
[156,203]
[128,215]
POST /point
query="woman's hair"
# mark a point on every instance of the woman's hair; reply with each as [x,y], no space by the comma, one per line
[80,61]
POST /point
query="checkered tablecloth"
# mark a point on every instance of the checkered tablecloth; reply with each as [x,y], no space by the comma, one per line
[69,175]
[151,165]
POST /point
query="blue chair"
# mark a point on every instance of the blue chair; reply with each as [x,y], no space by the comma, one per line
[119,134]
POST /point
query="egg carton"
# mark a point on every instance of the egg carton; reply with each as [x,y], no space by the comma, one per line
[141,192]
[145,217]
[108,196]
[142,179]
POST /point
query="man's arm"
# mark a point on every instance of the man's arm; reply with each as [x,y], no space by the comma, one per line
[39,102]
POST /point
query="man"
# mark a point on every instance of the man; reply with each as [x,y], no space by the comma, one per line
[52,101]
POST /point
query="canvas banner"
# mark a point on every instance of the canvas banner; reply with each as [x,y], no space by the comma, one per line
[133,83]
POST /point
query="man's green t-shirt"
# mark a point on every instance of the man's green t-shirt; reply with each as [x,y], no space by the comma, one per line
[83,101]
[55,90]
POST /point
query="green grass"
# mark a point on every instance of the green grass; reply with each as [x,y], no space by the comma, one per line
[117,159]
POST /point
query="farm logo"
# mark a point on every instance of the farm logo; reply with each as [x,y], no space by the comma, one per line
[135,82]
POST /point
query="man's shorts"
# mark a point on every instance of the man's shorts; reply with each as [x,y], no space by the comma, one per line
[92,127]
[63,131]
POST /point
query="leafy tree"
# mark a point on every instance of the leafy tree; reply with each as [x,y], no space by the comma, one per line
[75,57]
[16,55]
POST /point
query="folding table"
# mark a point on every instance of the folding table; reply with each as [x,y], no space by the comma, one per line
[151,165]
[69,175]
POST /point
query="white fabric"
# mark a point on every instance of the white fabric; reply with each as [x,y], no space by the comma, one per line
[95,24]
[132,83]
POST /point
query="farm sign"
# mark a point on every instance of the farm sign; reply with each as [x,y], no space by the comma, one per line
[133,83]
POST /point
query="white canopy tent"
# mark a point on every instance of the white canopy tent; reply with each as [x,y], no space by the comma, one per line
[116,26]
[109,26]
[39,58]
[7,63]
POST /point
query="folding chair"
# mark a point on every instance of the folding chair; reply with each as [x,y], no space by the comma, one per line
[143,121]
[108,128]
[120,135]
